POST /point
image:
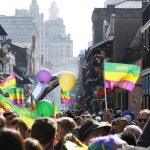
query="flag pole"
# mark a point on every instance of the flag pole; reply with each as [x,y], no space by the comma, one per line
[105,97]
[105,88]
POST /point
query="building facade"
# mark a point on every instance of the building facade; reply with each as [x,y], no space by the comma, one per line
[58,44]
[145,74]
[114,30]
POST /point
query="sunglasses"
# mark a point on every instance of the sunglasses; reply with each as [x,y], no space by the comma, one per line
[142,120]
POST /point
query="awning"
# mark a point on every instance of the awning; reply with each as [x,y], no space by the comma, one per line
[101,43]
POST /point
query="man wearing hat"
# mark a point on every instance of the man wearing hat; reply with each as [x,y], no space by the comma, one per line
[91,128]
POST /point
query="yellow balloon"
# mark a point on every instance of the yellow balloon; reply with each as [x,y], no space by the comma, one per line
[67,80]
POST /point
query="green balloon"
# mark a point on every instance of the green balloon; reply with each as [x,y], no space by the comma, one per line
[45,108]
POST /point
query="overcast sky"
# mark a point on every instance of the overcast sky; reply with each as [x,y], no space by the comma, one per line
[75,13]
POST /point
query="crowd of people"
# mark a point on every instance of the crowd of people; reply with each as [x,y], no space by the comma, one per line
[77,131]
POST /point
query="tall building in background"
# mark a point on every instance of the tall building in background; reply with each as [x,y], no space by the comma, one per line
[39,22]
[58,44]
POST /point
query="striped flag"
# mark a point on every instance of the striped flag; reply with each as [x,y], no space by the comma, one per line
[120,75]
[65,97]
[17,96]
[9,82]
[4,103]
[26,114]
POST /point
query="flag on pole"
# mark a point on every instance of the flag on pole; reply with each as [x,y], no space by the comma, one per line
[33,104]
[56,109]
[26,114]
[17,96]
[4,103]
[9,82]
[120,75]
[65,97]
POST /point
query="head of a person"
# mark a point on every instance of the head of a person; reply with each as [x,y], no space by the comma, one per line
[118,113]
[64,126]
[134,129]
[109,142]
[2,122]
[9,115]
[32,144]
[120,124]
[20,126]
[129,119]
[44,130]
[143,117]
[11,139]
[77,119]
[91,129]
[128,137]
[98,119]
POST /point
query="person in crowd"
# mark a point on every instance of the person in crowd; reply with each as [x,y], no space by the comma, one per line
[32,144]
[135,130]
[9,115]
[107,116]
[144,139]
[91,128]
[129,119]
[64,126]
[11,139]
[70,114]
[143,117]
[109,142]
[128,137]
[78,120]
[117,113]
[20,126]
[2,122]
[44,130]
[98,119]
[120,124]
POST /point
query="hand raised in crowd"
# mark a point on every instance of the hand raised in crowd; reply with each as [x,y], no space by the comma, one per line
[107,116]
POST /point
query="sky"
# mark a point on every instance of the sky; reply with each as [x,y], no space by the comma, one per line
[75,13]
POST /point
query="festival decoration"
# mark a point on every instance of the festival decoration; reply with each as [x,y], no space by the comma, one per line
[67,80]
[40,87]
[44,75]
[56,108]
[65,97]
[45,108]
[7,83]
[120,75]
[16,96]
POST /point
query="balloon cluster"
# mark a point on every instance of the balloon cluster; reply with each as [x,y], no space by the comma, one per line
[67,80]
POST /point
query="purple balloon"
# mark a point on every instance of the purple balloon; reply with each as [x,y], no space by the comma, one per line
[44,75]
